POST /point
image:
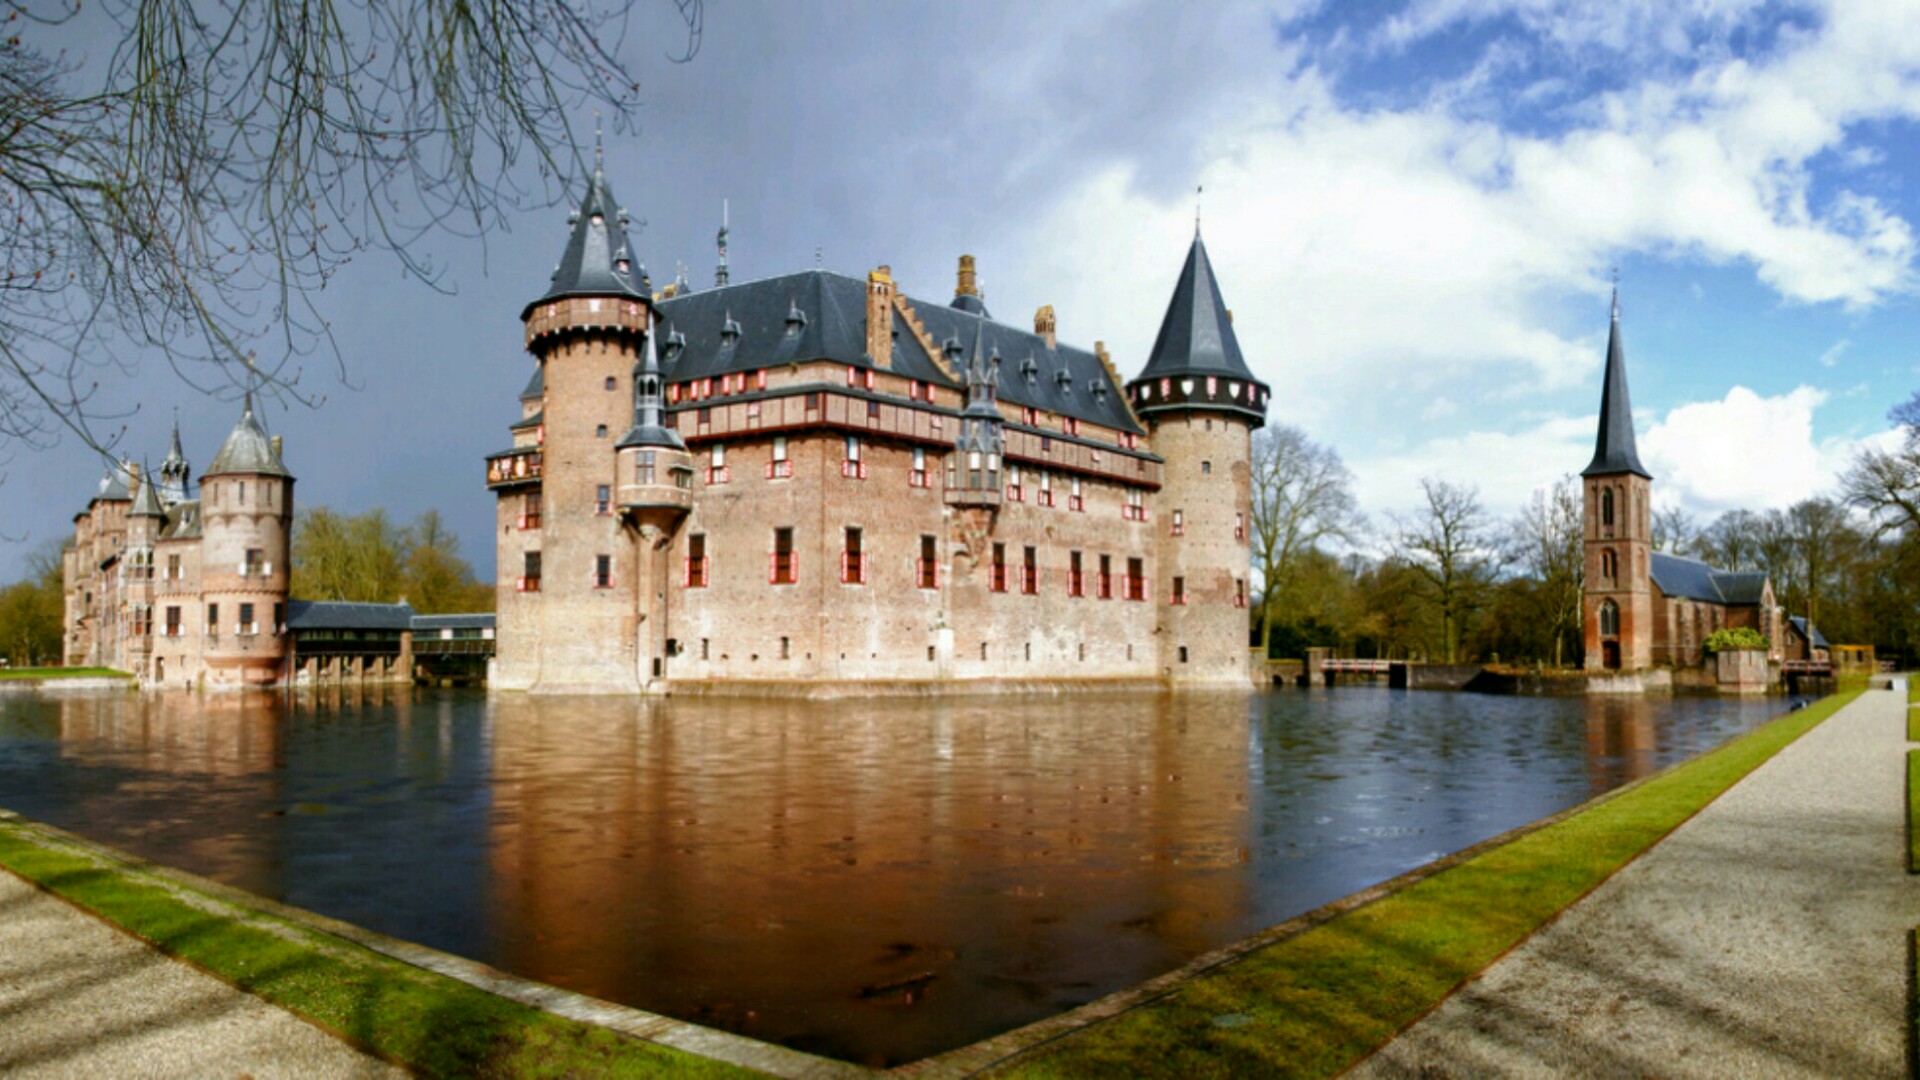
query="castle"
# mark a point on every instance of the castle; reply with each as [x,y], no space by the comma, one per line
[179,590]
[1642,607]
[817,478]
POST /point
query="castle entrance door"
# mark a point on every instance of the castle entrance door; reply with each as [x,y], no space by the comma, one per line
[1610,655]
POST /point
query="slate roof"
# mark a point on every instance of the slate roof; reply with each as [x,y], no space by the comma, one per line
[176,459]
[1196,336]
[113,485]
[183,521]
[1691,579]
[649,405]
[537,385]
[1614,451]
[598,243]
[337,615]
[247,450]
[820,315]
[146,501]
[1818,639]
[480,621]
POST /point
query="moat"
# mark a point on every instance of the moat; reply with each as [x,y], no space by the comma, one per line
[874,880]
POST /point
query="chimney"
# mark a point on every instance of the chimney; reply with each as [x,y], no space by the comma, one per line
[275,443]
[966,287]
[880,317]
[1043,324]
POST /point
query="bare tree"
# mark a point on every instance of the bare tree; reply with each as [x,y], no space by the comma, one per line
[1674,531]
[192,191]
[1447,546]
[1822,540]
[1302,497]
[1547,540]
[1732,541]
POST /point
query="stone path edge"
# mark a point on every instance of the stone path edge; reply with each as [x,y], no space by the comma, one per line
[1007,1047]
[634,1023]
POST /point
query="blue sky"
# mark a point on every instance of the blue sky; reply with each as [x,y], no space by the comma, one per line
[1414,210]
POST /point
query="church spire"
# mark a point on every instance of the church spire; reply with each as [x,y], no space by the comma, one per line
[1614,450]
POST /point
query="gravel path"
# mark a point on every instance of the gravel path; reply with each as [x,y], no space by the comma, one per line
[79,998]
[1765,937]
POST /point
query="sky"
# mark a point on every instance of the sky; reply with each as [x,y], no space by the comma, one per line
[1415,211]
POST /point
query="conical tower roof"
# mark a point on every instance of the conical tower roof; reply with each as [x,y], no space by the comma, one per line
[598,260]
[1196,341]
[176,459]
[247,450]
[1614,451]
[146,500]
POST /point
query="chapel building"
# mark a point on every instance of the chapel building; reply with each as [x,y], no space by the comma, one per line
[818,478]
[1643,608]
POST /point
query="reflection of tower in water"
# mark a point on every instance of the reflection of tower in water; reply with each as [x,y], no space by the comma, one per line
[1620,741]
[901,877]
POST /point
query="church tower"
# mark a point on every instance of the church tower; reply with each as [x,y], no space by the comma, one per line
[1201,405]
[1617,600]
[568,601]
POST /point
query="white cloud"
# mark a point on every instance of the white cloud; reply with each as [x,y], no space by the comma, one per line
[1834,352]
[1741,452]
[1506,467]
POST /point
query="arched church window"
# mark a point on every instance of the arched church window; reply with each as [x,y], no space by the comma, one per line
[1609,619]
[1609,565]
[1606,507]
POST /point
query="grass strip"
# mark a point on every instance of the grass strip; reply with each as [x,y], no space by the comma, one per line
[433,1024]
[63,673]
[1913,811]
[1315,1003]
[1913,724]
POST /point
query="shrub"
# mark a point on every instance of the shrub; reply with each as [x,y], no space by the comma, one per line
[1733,638]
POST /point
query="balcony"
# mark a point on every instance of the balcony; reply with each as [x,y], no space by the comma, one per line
[514,468]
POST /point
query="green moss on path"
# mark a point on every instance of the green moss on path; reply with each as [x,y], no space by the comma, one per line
[1313,1004]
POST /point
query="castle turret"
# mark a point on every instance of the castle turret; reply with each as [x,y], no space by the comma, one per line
[145,519]
[175,473]
[246,512]
[569,587]
[1617,599]
[973,470]
[1201,404]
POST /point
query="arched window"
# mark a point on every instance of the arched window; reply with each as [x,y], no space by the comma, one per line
[1606,507]
[1609,565]
[1609,619]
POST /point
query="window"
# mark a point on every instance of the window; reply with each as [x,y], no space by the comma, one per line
[173,567]
[242,486]
[603,571]
[1014,491]
[1206,466]
[1240,592]
[695,574]
[1106,577]
[247,626]
[786,648]
[1030,571]
[1240,526]
[213,620]
[1045,498]
[643,467]
[852,467]
[1183,654]
[1609,566]
[1179,590]
[1135,508]
[173,621]
[853,561]
[1074,501]
[917,476]
[602,499]
[780,468]
[600,431]
[717,472]
[1075,583]
[255,564]
[927,570]
[914,390]
[997,579]
[530,572]
[785,568]
[1606,508]
[530,510]
[1179,527]
[1609,619]
[813,401]
[1136,579]
[706,649]
[610,383]
[279,619]
[873,410]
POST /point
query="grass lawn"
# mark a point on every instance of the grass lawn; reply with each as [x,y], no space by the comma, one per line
[1913,809]
[62,673]
[1313,1004]
[436,1025]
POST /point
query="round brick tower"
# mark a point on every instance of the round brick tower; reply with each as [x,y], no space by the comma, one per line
[246,514]
[1201,404]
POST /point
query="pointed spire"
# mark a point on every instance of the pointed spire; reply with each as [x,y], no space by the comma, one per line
[1197,191]
[649,410]
[1614,451]
[248,450]
[146,497]
[720,273]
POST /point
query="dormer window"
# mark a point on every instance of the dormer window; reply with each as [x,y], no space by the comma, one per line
[622,267]
[598,221]
[1031,370]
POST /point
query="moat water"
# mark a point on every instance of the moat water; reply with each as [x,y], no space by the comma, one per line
[872,880]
